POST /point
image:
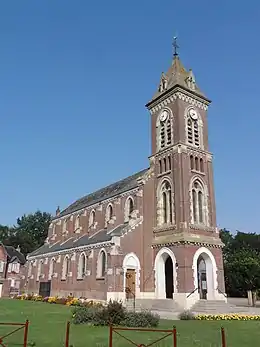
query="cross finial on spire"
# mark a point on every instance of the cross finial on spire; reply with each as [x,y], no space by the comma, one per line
[175,46]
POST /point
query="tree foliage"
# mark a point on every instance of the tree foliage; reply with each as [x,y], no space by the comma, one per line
[241,256]
[29,232]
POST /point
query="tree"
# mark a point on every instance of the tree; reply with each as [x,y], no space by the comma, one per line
[4,233]
[241,256]
[29,233]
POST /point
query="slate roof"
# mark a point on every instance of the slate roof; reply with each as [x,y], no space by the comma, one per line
[78,241]
[108,192]
[13,253]
[176,76]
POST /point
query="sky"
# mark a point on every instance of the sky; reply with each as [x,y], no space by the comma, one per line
[74,79]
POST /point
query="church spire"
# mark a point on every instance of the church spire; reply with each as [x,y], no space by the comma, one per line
[176,76]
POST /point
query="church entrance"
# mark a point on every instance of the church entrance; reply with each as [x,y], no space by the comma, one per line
[130,284]
[169,278]
[165,274]
[202,278]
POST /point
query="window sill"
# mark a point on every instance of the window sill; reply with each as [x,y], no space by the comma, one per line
[64,279]
[100,278]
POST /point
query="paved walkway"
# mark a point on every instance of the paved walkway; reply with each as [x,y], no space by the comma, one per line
[239,302]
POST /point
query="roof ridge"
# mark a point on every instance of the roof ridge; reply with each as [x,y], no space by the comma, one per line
[103,193]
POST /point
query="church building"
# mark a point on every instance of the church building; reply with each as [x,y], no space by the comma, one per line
[152,235]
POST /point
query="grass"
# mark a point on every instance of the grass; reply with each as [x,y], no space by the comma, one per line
[47,328]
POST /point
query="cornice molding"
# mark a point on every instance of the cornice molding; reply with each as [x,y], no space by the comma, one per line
[188,243]
[181,95]
[72,250]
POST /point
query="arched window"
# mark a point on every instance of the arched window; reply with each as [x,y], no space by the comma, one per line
[77,224]
[64,226]
[169,162]
[164,130]
[30,265]
[92,218]
[191,162]
[199,203]
[65,268]
[160,166]
[109,213]
[51,268]
[193,131]
[39,270]
[164,164]
[102,264]
[129,209]
[82,265]
[165,213]
[201,165]
[196,163]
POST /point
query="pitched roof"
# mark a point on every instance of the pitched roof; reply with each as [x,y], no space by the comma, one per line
[177,75]
[78,241]
[108,192]
[13,253]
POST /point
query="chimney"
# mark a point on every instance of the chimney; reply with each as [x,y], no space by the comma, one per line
[58,211]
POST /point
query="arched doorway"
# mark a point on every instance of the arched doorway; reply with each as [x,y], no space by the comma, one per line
[202,278]
[205,274]
[165,274]
[169,287]
[131,267]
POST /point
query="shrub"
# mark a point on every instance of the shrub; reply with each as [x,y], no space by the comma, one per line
[115,312]
[186,315]
[82,315]
[143,319]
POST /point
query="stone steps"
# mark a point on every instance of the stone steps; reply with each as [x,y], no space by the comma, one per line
[216,307]
[165,305]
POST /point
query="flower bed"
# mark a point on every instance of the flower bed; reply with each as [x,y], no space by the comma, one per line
[68,301]
[232,316]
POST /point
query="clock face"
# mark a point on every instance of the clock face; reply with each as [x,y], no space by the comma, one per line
[164,116]
[193,114]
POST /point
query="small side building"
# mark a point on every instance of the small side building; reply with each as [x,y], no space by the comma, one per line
[12,265]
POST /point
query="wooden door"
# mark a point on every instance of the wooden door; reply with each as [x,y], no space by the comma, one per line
[130,284]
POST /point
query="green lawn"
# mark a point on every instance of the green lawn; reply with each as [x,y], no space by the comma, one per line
[47,328]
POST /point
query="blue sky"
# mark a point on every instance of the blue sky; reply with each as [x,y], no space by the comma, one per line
[74,79]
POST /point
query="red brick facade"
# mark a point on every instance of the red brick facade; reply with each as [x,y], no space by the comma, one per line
[171,215]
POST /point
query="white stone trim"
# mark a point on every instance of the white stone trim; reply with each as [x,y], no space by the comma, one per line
[81,274]
[159,210]
[126,208]
[205,201]
[99,264]
[51,268]
[200,125]
[131,261]
[160,273]
[158,129]
[185,96]
[75,249]
[211,272]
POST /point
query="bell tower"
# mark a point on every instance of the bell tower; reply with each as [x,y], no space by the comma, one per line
[185,220]
[181,154]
